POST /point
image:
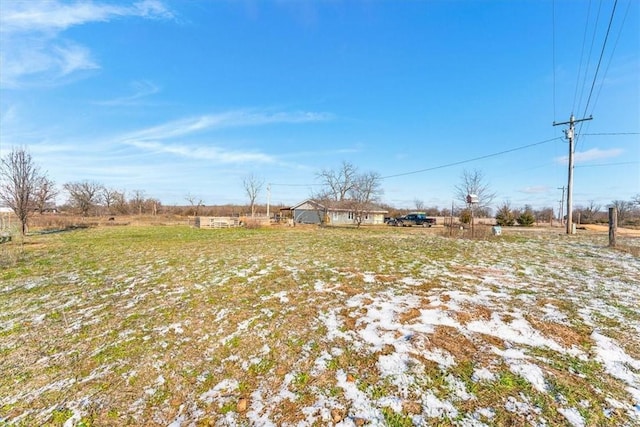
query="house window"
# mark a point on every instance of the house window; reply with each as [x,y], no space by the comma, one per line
[350,216]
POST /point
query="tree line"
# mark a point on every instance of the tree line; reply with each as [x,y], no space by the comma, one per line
[26,190]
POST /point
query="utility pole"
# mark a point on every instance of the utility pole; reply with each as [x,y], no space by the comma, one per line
[268,199]
[451,220]
[569,134]
[561,205]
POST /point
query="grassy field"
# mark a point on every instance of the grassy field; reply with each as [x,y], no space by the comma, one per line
[170,325]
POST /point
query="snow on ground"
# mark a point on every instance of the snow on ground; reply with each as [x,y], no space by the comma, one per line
[473,338]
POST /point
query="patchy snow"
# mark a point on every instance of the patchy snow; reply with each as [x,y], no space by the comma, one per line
[361,404]
[442,357]
[573,416]
[619,365]
[517,331]
[437,408]
[223,388]
[369,277]
[483,374]
[419,340]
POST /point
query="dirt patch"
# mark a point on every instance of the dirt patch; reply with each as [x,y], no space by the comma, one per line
[565,334]
[473,313]
[408,316]
[605,229]
[386,278]
[451,340]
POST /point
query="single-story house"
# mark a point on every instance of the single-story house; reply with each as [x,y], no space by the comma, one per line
[335,213]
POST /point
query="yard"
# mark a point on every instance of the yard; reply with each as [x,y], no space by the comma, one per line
[175,326]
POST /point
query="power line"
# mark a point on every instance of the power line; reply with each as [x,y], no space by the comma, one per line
[595,75]
[486,156]
[446,165]
[584,40]
[615,45]
[604,44]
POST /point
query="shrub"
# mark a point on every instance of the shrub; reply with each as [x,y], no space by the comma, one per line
[526,218]
[252,223]
[465,216]
[505,216]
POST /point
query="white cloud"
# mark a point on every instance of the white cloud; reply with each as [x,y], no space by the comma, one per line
[31,60]
[206,153]
[158,139]
[72,57]
[49,16]
[228,119]
[536,189]
[8,116]
[33,51]
[141,89]
[590,155]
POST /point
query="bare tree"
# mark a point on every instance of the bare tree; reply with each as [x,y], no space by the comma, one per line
[419,204]
[195,203]
[473,182]
[152,205]
[84,195]
[109,197]
[252,187]
[19,178]
[137,201]
[544,215]
[623,207]
[365,191]
[338,182]
[46,193]
[119,202]
[589,213]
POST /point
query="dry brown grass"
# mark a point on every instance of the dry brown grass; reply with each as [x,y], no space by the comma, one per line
[454,342]
[409,316]
[564,334]
[101,315]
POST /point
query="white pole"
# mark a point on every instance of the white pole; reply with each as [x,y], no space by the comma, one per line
[268,198]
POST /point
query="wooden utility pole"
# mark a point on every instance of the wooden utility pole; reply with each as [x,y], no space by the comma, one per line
[613,226]
[451,220]
[569,134]
[561,206]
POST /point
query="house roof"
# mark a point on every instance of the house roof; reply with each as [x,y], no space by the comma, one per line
[317,204]
[343,206]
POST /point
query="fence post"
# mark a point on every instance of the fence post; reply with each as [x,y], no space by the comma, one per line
[613,225]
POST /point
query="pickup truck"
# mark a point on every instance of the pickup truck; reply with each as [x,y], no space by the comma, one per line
[412,219]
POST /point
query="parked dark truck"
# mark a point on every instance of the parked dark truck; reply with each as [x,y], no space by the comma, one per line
[411,219]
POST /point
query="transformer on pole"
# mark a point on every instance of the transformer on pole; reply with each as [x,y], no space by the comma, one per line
[569,134]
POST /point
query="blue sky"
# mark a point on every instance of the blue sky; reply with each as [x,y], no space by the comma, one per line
[178,97]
